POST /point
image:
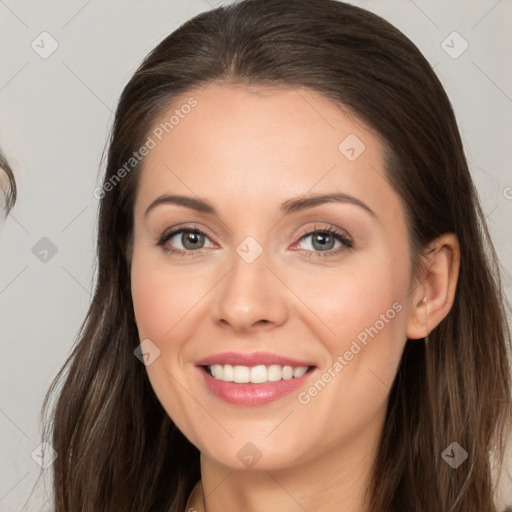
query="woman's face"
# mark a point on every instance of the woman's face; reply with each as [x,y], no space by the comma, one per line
[255,272]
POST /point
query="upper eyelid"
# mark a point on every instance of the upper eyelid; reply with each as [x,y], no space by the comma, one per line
[172,232]
[328,227]
[168,233]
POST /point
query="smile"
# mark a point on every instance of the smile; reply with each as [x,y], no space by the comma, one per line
[255,374]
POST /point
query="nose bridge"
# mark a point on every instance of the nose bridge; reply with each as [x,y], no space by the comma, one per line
[250,292]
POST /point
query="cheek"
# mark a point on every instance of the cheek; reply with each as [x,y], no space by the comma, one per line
[368,316]
[350,300]
[161,301]
[365,309]
[161,298]
[151,297]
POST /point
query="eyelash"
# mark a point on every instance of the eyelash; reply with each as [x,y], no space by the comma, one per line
[346,242]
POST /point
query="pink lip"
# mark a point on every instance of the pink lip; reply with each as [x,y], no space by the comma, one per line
[248,394]
[251,359]
[251,395]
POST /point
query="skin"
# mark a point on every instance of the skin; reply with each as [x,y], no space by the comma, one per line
[247,150]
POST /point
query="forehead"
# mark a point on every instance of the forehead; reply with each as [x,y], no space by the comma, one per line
[257,145]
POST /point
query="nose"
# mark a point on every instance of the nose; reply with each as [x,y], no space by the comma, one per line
[250,296]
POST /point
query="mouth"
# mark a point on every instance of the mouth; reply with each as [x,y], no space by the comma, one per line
[253,379]
[258,374]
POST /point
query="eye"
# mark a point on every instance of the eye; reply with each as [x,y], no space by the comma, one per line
[323,240]
[190,238]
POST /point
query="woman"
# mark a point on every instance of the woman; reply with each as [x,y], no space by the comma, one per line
[337,339]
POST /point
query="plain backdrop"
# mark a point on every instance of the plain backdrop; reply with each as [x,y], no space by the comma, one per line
[55,113]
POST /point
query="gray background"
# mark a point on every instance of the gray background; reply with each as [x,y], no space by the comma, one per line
[55,116]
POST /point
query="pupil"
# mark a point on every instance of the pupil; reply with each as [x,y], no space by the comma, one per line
[322,238]
[192,237]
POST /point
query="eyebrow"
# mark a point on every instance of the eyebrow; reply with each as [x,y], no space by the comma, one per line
[287,207]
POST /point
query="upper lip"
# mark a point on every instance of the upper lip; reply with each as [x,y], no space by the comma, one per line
[251,359]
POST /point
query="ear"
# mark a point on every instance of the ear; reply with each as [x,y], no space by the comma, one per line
[434,293]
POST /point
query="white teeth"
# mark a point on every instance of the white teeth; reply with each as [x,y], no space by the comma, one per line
[241,374]
[227,372]
[299,372]
[258,374]
[287,373]
[255,374]
[275,373]
[216,370]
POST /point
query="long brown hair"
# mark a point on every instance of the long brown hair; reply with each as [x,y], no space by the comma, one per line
[117,448]
[8,187]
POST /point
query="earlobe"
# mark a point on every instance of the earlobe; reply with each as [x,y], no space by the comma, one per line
[435,292]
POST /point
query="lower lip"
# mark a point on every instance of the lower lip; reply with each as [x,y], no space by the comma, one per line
[248,394]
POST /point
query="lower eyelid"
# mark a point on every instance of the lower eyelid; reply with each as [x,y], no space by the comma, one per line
[346,243]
